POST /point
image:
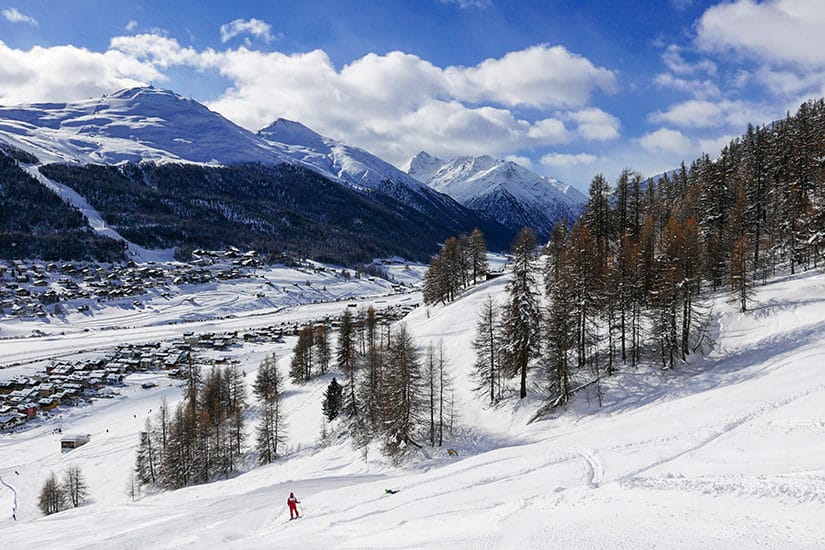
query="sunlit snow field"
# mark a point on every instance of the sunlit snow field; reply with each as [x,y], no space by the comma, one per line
[724,452]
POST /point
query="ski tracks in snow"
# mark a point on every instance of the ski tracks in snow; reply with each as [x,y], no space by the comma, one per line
[595,468]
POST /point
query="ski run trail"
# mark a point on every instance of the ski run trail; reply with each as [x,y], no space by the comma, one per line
[727,451]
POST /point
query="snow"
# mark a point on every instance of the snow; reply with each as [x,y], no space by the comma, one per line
[724,452]
[464,178]
[493,185]
[137,124]
[351,165]
[96,221]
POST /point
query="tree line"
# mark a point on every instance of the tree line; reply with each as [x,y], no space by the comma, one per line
[627,278]
[392,391]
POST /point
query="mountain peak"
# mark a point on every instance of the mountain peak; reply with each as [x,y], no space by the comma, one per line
[291,132]
[423,166]
[502,190]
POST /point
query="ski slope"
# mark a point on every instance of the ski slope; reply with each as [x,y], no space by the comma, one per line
[726,452]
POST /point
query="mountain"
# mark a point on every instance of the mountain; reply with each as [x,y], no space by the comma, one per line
[133,125]
[366,172]
[162,171]
[502,190]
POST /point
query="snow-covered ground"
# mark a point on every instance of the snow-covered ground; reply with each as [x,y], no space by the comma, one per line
[725,452]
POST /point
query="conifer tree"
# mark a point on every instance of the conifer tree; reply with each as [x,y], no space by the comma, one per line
[521,317]
[333,400]
[478,254]
[402,399]
[347,360]
[487,372]
[271,430]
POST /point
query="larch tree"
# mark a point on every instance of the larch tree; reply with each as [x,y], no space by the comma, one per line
[487,372]
[521,316]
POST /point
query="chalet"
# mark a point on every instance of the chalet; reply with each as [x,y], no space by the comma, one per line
[45,390]
[27,409]
[47,403]
[73,441]
[6,387]
[9,421]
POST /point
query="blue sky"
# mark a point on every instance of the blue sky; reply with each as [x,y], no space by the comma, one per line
[567,87]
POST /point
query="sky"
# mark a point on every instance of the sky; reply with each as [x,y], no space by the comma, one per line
[568,88]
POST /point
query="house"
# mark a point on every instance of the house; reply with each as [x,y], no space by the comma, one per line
[9,421]
[27,409]
[73,441]
[47,403]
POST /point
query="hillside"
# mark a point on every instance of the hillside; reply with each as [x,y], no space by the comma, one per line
[159,171]
[719,453]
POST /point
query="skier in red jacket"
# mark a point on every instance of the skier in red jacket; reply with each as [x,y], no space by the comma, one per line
[292,502]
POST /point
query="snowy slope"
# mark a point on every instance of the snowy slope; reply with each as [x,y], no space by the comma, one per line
[503,190]
[725,453]
[130,125]
[364,171]
[330,157]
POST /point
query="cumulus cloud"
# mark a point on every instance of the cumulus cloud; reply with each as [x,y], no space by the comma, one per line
[567,159]
[520,160]
[13,15]
[708,114]
[549,131]
[393,104]
[398,103]
[539,76]
[67,72]
[253,27]
[668,141]
[783,31]
[595,124]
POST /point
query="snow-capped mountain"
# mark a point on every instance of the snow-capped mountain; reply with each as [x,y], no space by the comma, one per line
[502,190]
[364,171]
[131,125]
[208,182]
[352,165]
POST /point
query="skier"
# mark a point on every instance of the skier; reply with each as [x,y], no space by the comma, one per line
[293,502]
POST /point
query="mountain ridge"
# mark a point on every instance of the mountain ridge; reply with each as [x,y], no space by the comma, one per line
[500,189]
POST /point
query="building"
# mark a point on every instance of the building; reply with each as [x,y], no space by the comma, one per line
[73,441]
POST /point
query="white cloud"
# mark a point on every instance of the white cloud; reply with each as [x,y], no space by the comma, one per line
[595,124]
[397,103]
[14,16]
[61,73]
[567,159]
[667,141]
[520,160]
[549,131]
[393,104]
[708,114]
[539,76]
[775,31]
[697,88]
[131,25]
[674,61]
[254,27]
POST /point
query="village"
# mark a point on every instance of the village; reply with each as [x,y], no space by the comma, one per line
[38,290]
[39,396]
